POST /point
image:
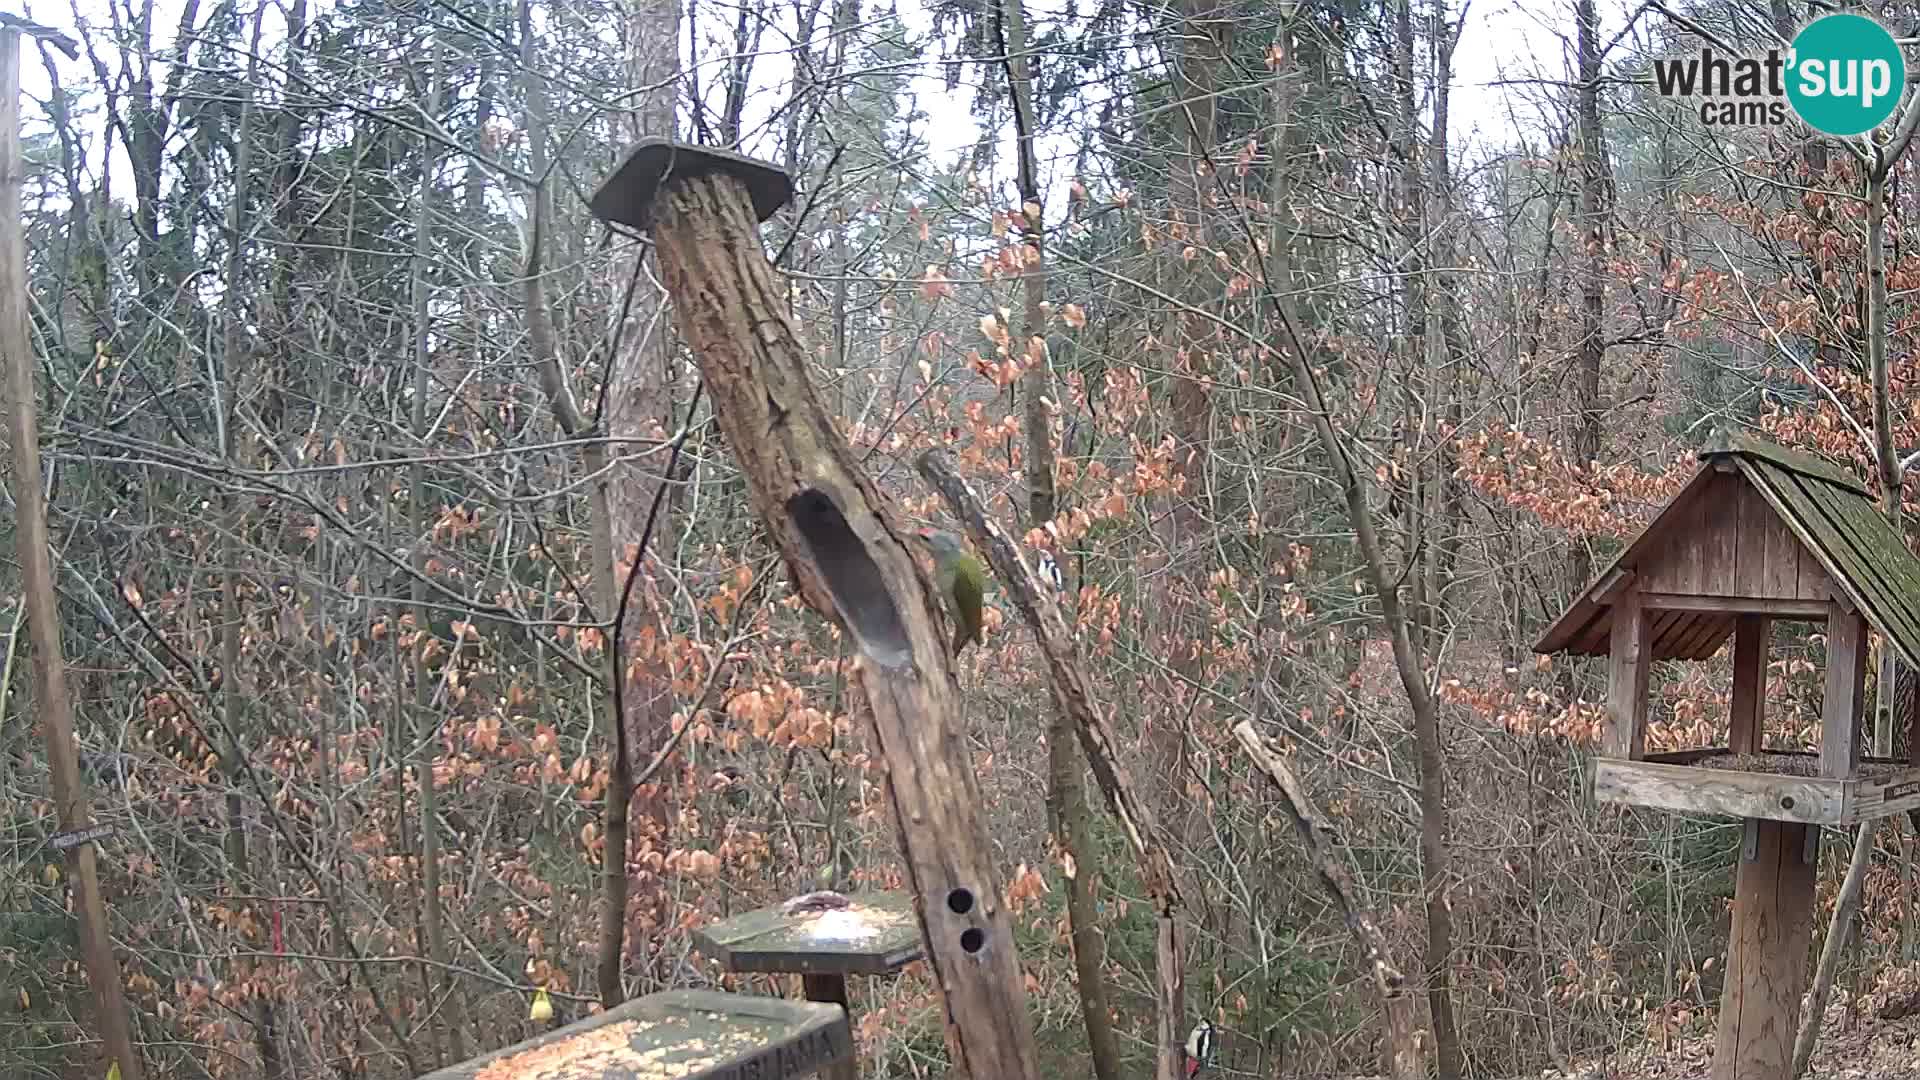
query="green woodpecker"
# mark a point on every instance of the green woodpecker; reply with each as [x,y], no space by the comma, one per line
[962,581]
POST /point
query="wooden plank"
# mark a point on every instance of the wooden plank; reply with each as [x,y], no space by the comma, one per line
[1747,727]
[1845,693]
[1675,565]
[832,990]
[1705,636]
[1782,608]
[1692,790]
[1766,967]
[1628,661]
[876,933]
[1661,626]
[1593,637]
[1610,586]
[678,1035]
[1815,583]
[1751,518]
[1785,553]
[1720,536]
[1688,757]
[1880,575]
[1807,522]
[1890,587]
[1868,800]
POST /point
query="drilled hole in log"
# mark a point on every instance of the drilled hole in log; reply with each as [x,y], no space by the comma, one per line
[973,939]
[852,577]
[960,901]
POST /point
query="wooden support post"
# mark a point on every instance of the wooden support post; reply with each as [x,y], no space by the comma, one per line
[843,542]
[1747,727]
[1840,707]
[831,989]
[1767,954]
[36,583]
[1629,659]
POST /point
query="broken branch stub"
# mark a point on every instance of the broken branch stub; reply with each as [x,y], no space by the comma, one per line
[1401,1048]
[841,539]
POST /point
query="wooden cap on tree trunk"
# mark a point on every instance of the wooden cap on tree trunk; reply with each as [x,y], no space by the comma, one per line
[627,196]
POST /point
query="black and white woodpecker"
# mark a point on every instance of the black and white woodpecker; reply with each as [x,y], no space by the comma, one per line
[1200,1047]
[1049,571]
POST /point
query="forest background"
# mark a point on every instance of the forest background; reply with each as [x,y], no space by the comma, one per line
[354,417]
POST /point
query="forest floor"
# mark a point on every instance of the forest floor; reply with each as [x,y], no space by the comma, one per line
[1878,1041]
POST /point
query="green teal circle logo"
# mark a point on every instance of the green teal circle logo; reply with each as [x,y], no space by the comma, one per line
[1848,74]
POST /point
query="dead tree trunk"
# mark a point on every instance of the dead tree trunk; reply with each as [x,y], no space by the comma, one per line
[1402,1050]
[842,540]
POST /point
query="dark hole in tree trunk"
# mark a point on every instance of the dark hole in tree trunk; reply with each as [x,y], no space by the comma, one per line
[852,577]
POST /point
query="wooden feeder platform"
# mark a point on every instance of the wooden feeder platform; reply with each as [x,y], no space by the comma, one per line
[875,934]
[1772,785]
[823,937]
[677,1035]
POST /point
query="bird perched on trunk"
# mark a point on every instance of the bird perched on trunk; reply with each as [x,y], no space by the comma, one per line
[962,581]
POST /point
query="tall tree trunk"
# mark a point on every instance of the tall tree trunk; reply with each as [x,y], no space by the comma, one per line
[545,349]
[1067,808]
[1184,529]
[426,735]
[1446,348]
[1412,360]
[1590,350]
[639,405]
[51,699]
[233,697]
[1417,624]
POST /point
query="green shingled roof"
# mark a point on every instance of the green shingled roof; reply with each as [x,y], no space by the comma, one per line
[1838,520]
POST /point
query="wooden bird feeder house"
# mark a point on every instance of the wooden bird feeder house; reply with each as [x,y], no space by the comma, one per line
[1759,534]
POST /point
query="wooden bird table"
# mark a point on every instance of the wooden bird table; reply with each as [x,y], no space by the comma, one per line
[875,934]
[1761,534]
[677,1035]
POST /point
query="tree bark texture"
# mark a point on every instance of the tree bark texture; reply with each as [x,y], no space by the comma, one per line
[640,405]
[1591,347]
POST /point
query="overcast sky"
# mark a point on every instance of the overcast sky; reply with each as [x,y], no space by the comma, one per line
[1504,40]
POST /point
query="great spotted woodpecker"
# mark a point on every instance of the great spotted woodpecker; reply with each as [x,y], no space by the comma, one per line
[1200,1048]
[1049,571]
